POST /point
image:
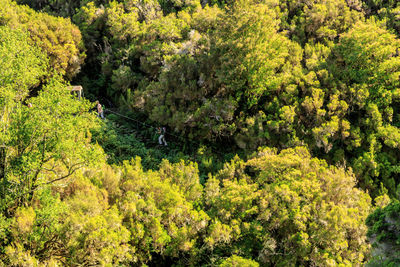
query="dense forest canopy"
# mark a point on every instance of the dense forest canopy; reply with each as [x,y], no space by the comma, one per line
[306,93]
[279,73]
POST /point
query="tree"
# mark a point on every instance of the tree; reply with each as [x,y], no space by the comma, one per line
[287,209]
[57,37]
[63,8]
[158,215]
[234,261]
[208,88]
[47,142]
[383,232]
[384,10]
[15,78]
[366,68]
[68,224]
[318,20]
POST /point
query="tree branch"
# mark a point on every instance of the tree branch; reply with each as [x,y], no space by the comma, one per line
[72,169]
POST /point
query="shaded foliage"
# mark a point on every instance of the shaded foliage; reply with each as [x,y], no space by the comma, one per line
[57,37]
[316,81]
[246,73]
[383,232]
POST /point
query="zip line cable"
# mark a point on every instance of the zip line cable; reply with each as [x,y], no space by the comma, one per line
[126,117]
[148,125]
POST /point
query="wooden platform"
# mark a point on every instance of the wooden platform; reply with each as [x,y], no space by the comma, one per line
[76,88]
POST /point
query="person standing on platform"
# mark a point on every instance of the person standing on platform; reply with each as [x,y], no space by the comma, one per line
[100,110]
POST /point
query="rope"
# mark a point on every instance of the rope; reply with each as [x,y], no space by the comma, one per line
[126,117]
[148,125]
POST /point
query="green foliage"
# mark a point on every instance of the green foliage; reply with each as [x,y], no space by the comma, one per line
[36,228]
[80,229]
[278,208]
[234,77]
[244,80]
[57,37]
[95,235]
[158,214]
[384,10]
[23,66]
[185,176]
[234,261]
[366,69]
[212,78]
[64,8]
[384,224]
[123,141]
[47,142]
[318,20]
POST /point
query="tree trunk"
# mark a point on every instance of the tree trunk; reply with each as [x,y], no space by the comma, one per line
[3,156]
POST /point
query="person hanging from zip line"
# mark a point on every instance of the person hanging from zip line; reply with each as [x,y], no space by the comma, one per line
[100,111]
[161,139]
